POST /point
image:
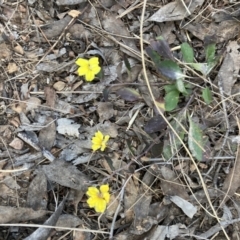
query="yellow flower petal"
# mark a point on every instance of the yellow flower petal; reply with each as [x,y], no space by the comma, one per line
[104,188]
[89,76]
[96,140]
[92,192]
[95,147]
[93,61]
[82,62]
[95,69]
[106,138]
[91,202]
[106,196]
[82,71]
[100,206]
[99,135]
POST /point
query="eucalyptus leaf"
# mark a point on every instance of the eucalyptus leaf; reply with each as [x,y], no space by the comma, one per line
[195,140]
[207,95]
[187,52]
[171,100]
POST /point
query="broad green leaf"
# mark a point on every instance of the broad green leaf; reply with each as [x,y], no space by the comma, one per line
[210,49]
[171,100]
[162,48]
[195,140]
[169,88]
[129,94]
[180,86]
[201,67]
[207,95]
[204,68]
[187,52]
[169,69]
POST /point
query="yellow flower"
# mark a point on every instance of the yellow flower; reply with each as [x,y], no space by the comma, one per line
[98,199]
[88,68]
[99,141]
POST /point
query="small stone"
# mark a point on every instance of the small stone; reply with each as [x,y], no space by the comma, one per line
[59,86]
[16,144]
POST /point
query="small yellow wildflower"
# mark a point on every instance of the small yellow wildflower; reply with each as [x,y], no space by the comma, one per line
[88,68]
[99,141]
[98,199]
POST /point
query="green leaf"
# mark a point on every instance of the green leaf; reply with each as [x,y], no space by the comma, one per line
[204,68]
[187,52]
[172,146]
[170,87]
[171,100]
[195,140]
[201,67]
[180,86]
[169,69]
[126,62]
[210,50]
[129,94]
[207,95]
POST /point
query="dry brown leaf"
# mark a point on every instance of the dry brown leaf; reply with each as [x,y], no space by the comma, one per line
[107,128]
[232,181]
[118,27]
[11,214]
[175,11]
[4,52]
[171,185]
[32,103]
[37,197]
[12,67]
[105,110]
[16,144]
[113,204]
[74,197]
[66,175]
[6,192]
[69,2]
[50,95]
[47,135]
[79,235]
[224,31]
[228,73]
[68,220]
